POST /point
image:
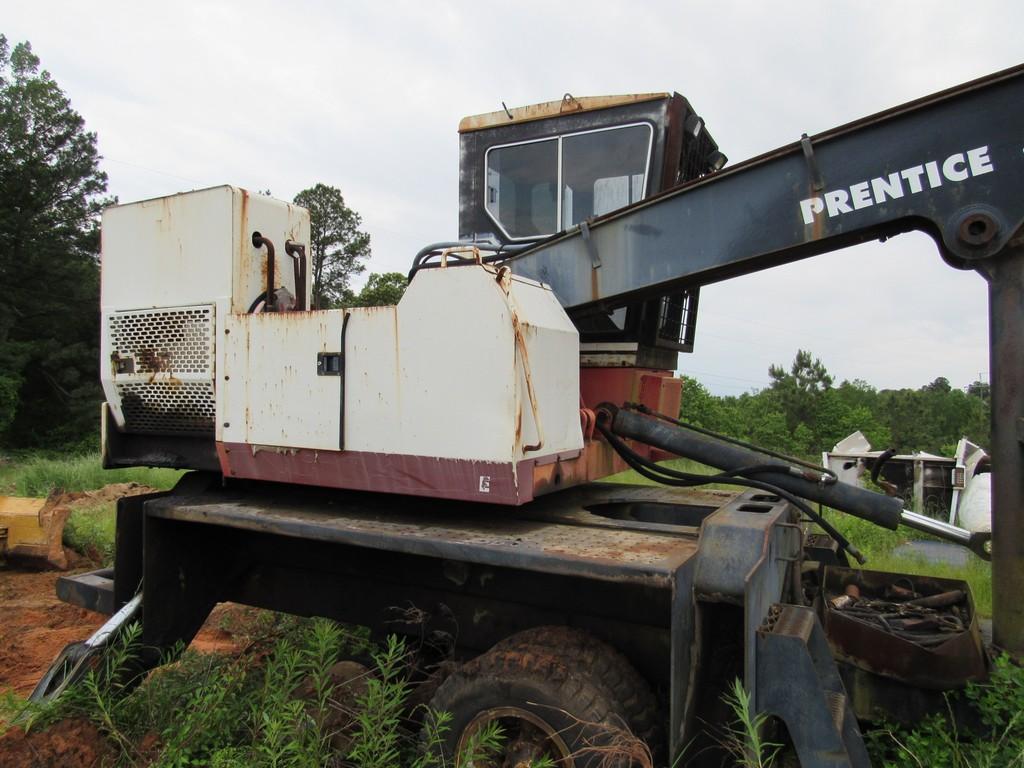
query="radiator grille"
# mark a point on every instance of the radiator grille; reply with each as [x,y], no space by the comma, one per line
[179,407]
[163,370]
[165,340]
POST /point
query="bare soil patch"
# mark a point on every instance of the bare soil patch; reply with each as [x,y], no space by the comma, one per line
[67,744]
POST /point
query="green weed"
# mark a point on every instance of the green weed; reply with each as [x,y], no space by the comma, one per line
[744,737]
[271,707]
[377,740]
[90,531]
[39,475]
[999,743]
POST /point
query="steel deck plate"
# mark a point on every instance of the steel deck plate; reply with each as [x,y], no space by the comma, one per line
[555,534]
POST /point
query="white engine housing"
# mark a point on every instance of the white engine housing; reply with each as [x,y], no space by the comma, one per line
[461,391]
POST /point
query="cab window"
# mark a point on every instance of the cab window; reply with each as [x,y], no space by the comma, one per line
[537,188]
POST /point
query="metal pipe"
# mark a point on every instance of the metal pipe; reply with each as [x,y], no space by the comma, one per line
[259,241]
[499,249]
[298,252]
[882,510]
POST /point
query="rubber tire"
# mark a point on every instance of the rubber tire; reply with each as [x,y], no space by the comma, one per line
[607,667]
[543,685]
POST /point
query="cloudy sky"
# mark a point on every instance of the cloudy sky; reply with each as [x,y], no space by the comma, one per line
[367,97]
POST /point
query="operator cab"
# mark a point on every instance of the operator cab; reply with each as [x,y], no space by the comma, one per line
[528,173]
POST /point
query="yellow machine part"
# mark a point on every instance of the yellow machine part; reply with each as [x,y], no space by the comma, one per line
[31,531]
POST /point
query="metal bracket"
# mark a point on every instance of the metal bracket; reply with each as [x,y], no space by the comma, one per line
[817,184]
[595,259]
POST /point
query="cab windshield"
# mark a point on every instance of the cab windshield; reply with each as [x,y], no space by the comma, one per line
[537,188]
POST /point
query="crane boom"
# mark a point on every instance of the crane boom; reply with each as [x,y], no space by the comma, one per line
[950,164]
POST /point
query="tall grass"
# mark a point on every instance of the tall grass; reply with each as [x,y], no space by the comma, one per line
[744,737]
[90,531]
[39,475]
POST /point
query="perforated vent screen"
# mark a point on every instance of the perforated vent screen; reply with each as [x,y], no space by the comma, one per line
[177,340]
[162,367]
[185,407]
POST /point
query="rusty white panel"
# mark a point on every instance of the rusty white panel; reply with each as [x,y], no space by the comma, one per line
[442,375]
[373,396]
[456,366]
[552,346]
[181,251]
[460,388]
[196,248]
[271,390]
[168,252]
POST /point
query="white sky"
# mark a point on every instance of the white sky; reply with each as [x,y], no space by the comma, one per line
[367,97]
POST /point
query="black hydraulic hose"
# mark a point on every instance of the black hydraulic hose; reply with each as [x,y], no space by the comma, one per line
[879,462]
[256,302]
[830,476]
[500,251]
[672,477]
[881,510]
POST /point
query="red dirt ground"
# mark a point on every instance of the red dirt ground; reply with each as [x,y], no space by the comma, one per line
[36,626]
[68,744]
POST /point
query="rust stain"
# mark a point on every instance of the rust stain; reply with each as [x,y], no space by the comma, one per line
[244,257]
[521,347]
[155,362]
[517,439]
[563,473]
[553,108]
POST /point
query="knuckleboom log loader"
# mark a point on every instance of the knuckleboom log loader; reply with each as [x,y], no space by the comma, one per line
[432,469]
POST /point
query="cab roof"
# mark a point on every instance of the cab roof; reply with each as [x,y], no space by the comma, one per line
[568,104]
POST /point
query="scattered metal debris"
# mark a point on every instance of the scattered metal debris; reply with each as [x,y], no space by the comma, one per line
[916,629]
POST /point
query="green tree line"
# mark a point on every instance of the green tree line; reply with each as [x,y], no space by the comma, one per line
[804,412]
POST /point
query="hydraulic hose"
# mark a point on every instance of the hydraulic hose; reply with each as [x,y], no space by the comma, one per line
[668,476]
[881,510]
[885,511]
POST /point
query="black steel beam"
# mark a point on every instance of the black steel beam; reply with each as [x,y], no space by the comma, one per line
[1006,373]
[93,590]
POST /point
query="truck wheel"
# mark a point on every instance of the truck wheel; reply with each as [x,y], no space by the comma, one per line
[605,666]
[545,709]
